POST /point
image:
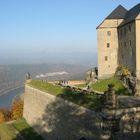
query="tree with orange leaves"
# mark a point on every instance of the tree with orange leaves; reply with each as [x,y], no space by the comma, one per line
[2,117]
[17,109]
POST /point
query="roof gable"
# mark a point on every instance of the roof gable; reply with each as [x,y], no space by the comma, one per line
[121,13]
[133,13]
[118,13]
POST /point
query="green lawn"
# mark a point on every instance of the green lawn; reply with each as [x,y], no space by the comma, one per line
[102,86]
[88,101]
[9,131]
[47,87]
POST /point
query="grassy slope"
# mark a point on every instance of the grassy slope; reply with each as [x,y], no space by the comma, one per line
[7,131]
[26,131]
[88,101]
[102,85]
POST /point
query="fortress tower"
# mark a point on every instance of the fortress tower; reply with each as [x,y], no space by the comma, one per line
[119,42]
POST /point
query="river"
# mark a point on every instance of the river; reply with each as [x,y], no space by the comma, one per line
[7,98]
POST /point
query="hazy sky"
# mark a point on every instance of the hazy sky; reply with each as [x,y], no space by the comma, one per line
[57,30]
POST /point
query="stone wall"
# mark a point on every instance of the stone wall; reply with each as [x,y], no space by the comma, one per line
[129,119]
[58,119]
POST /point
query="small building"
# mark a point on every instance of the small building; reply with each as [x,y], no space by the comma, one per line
[119,42]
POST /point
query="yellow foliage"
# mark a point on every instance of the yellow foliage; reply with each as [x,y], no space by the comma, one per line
[125,72]
[122,71]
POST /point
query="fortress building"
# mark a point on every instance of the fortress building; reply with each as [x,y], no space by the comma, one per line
[119,42]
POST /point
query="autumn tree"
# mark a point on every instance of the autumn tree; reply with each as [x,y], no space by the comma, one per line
[17,109]
[2,118]
[5,115]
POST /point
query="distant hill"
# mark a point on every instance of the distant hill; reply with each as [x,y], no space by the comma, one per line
[9,74]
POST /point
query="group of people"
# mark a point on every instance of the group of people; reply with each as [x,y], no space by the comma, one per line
[63,82]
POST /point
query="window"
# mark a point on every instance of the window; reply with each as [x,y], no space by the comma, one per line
[120,32]
[130,42]
[122,56]
[108,45]
[109,33]
[121,44]
[124,31]
[129,28]
[130,52]
[124,44]
[106,58]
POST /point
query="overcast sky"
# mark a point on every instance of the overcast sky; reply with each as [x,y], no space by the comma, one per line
[41,31]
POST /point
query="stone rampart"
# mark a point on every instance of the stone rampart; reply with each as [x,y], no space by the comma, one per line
[58,119]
